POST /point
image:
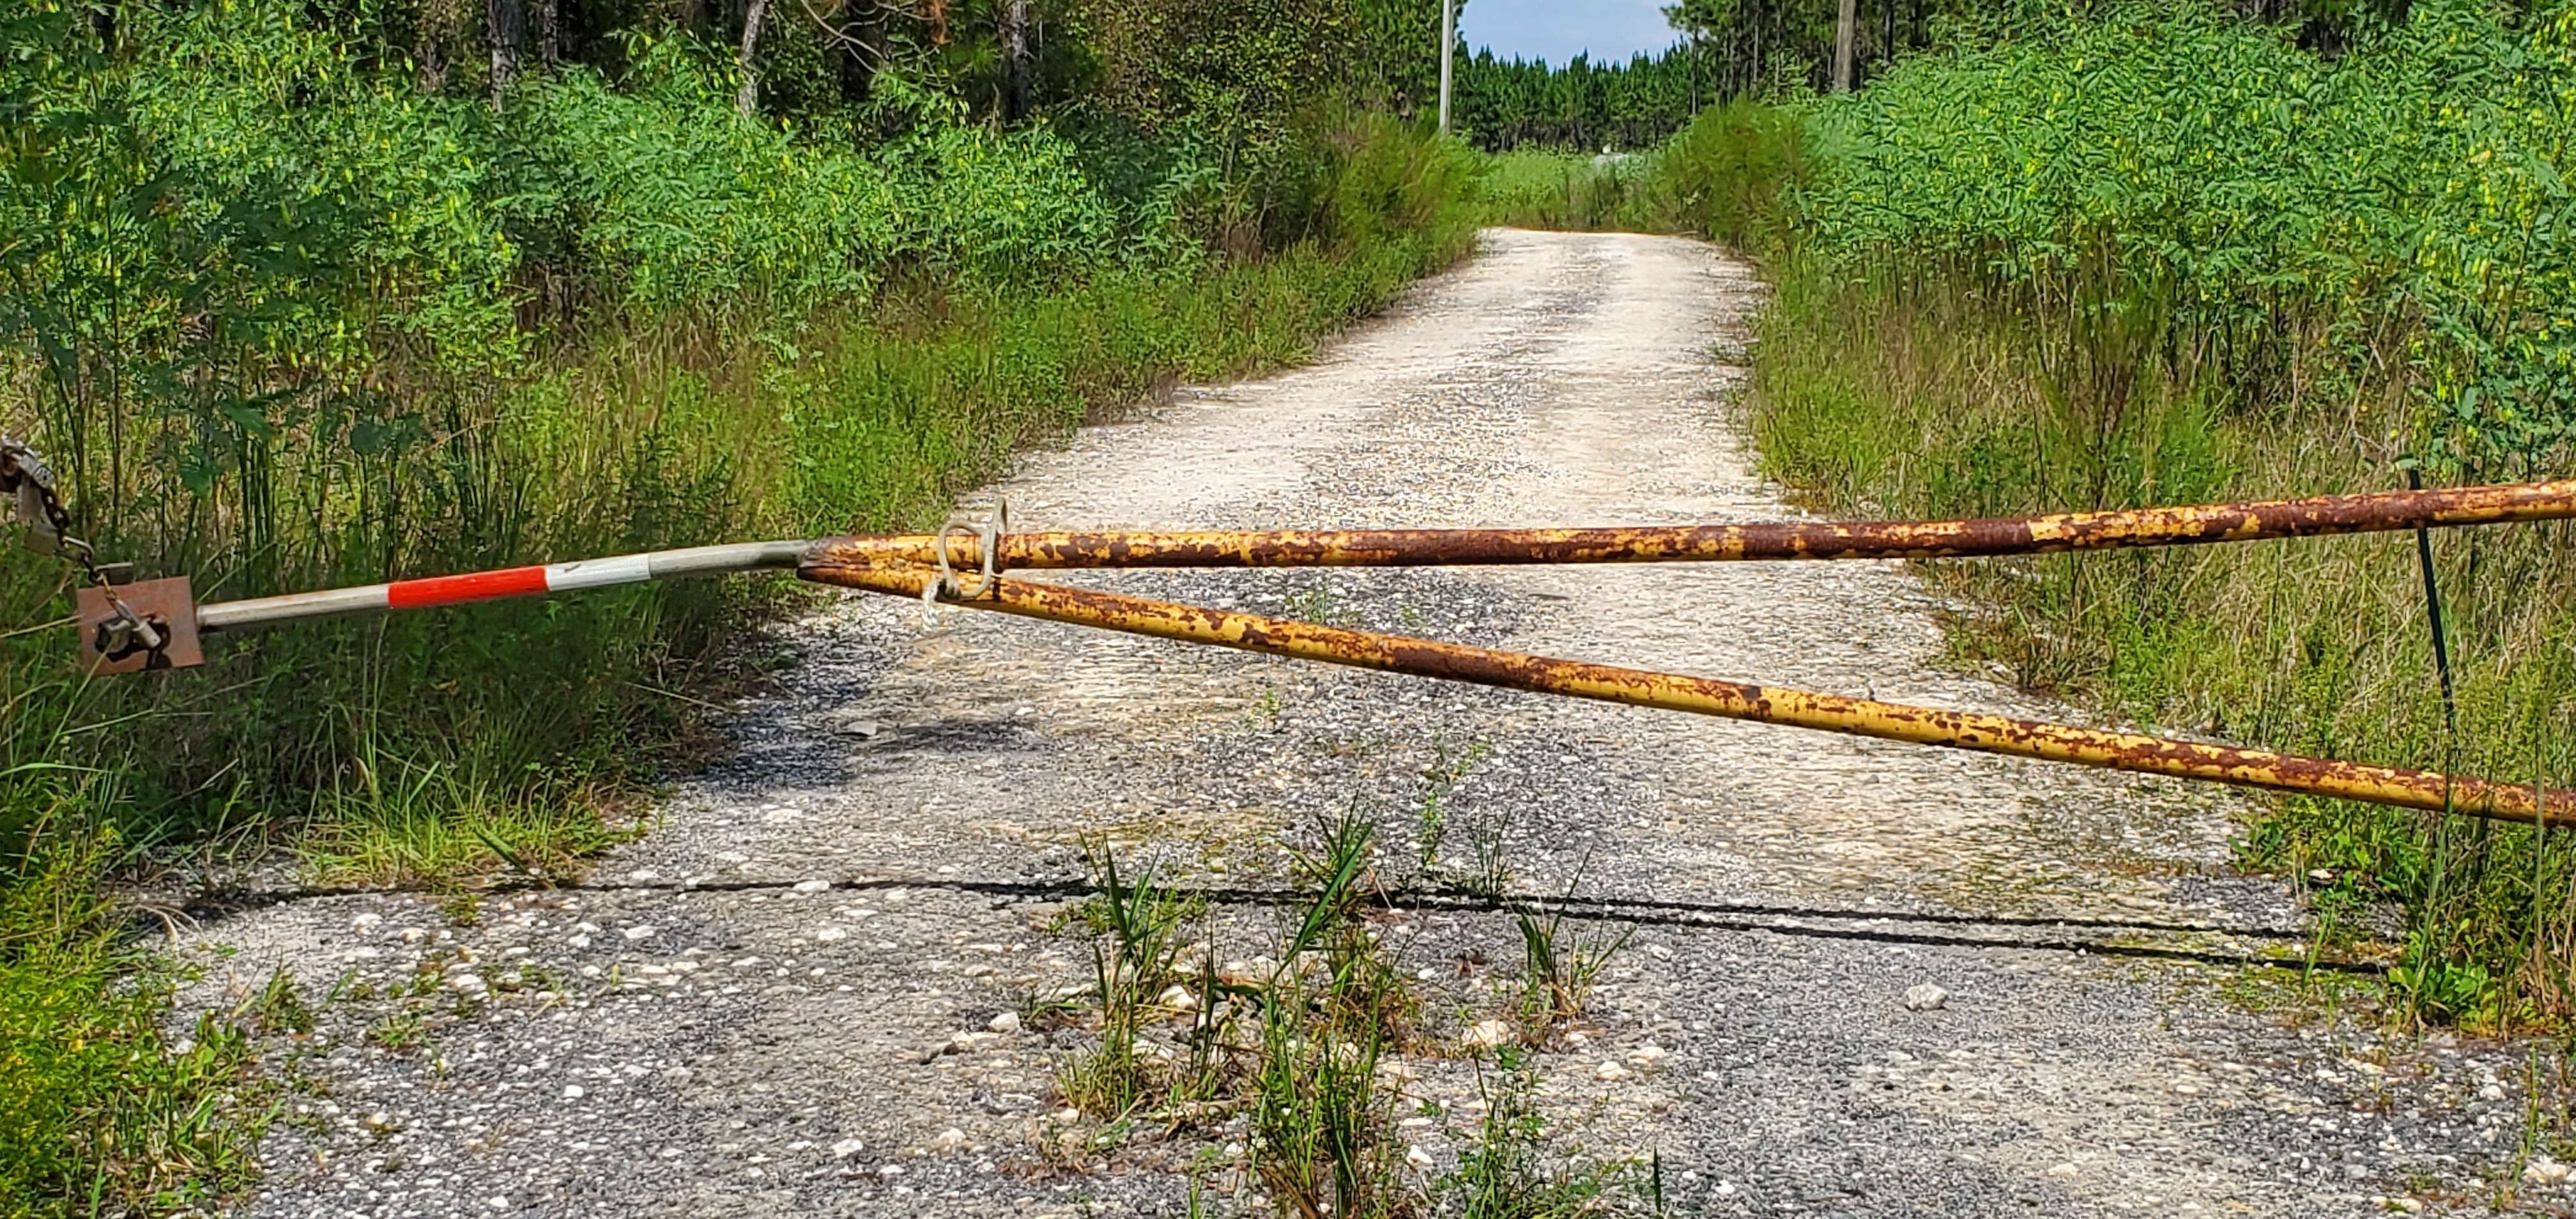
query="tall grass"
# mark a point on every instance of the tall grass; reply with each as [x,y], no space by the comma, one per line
[401,335]
[2164,256]
[1730,175]
[430,748]
[1886,393]
[1564,191]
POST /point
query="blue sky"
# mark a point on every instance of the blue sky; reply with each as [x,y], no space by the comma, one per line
[1555,29]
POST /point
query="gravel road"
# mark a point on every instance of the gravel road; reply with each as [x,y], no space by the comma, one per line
[784,998]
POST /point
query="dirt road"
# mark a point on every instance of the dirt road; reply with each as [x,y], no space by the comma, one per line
[779,1000]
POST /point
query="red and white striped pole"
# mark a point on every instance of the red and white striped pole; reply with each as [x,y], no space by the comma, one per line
[509,582]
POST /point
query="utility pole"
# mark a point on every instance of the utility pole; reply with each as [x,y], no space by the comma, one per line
[1448,43]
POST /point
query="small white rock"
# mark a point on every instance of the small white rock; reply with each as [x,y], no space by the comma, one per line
[949,1140]
[2491,1092]
[1486,1034]
[642,933]
[1006,1024]
[1610,1070]
[572,1092]
[846,1148]
[830,935]
[812,886]
[1177,998]
[2062,1170]
[1417,1157]
[2544,1170]
[1925,997]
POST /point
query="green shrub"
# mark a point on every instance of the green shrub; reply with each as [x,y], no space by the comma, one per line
[2396,206]
[2167,255]
[1732,175]
[100,1111]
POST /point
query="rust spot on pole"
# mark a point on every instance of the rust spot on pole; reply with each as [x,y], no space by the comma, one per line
[2242,522]
[1733,700]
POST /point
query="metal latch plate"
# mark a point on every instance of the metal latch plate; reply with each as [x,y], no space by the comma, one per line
[169,605]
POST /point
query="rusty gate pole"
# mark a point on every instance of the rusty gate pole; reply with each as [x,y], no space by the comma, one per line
[2256,520]
[1730,700]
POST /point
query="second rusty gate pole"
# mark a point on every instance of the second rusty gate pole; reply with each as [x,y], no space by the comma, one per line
[1730,700]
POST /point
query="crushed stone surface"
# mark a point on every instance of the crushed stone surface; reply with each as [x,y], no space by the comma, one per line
[811,987]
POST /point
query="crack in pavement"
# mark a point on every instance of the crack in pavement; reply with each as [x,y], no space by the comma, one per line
[1781,920]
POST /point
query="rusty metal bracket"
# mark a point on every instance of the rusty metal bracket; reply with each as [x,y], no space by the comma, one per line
[110,641]
[2124,751]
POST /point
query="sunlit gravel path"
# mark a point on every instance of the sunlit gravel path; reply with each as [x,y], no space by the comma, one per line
[701,1034]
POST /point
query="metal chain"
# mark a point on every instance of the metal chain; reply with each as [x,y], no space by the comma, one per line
[29,482]
[988,534]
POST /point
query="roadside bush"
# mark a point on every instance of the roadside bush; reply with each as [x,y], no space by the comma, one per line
[2167,255]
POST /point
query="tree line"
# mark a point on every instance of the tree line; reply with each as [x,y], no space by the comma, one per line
[1008,60]
[1730,49]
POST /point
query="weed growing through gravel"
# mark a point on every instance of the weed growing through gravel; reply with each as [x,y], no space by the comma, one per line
[1431,815]
[1301,1057]
[1318,605]
[1136,942]
[1486,871]
[1559,967]
[1502,1176]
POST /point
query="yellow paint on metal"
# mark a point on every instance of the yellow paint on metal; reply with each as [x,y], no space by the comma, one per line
[1731,700]
[2200,524]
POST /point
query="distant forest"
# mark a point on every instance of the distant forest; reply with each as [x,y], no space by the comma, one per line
[1726,49]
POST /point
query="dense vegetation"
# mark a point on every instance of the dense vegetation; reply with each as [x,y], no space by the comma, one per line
[2165,254]
[302,294]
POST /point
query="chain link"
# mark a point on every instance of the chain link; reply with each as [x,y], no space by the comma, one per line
[29,483]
